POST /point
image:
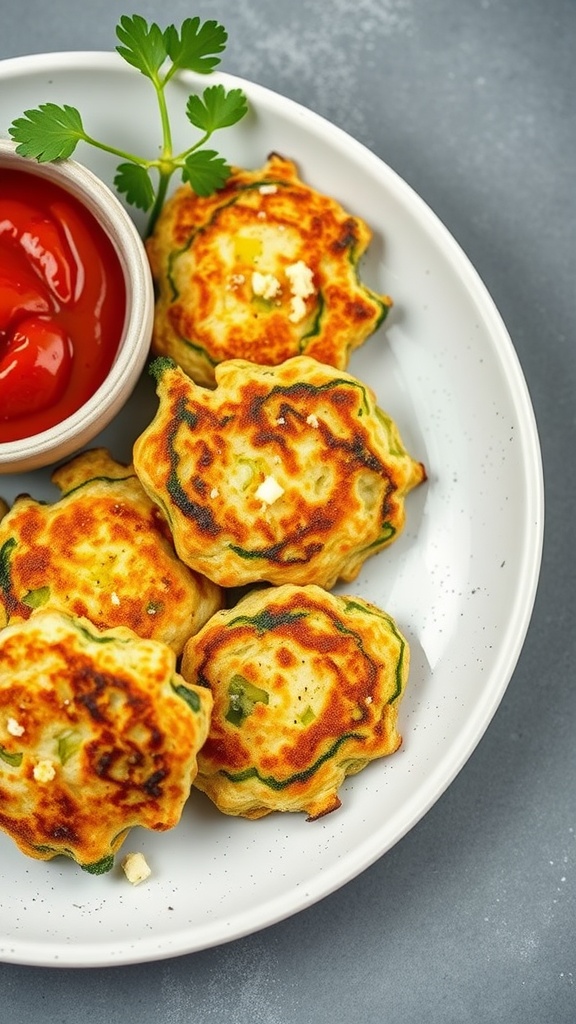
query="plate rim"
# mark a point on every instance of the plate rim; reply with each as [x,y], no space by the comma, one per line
[122,953]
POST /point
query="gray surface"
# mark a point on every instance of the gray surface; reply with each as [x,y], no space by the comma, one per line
[471,917]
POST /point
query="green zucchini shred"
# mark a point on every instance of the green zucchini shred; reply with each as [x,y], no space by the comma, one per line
[278,784]
[5,574]
[190,697]
[100,867]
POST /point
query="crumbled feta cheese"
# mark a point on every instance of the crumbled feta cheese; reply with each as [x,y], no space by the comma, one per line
[312,421]
[301,279]
[136,868]
[261,214]
[44,771]
[14,727]
[265,286]
[236,281]
[214,493]
[280,421]
[269,490]
[114,599]
[268,190]
[297,309]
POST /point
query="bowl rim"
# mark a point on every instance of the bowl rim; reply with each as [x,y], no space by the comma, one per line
[72,432]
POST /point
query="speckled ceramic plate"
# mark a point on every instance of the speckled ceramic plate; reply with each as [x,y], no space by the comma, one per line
[460,581]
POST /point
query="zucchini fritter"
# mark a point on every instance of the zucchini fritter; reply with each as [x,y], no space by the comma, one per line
[98,733]
[103,552]
[306,688]
[264,269]
[287,474]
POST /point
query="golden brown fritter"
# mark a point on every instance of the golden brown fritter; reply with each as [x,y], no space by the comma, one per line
[264,269]
[306,686]
[104,552]
[287,474]
[98,733]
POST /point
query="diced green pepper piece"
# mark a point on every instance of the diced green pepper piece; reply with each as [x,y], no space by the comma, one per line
[14,760]
[243,696]
[307,716]
[36,598]
[69,743]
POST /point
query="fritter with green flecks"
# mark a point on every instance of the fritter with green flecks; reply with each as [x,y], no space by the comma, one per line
[306,686]
[98,733]
[264,269]
[285,474]
[104,552]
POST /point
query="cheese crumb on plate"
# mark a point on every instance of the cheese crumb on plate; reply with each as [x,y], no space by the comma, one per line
[136,868]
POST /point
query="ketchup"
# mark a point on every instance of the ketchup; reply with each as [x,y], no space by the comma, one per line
[62,304]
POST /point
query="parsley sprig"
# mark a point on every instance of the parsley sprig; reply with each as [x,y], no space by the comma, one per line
[51,132]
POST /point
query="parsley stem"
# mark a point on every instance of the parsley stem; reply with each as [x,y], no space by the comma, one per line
[167,156]
[114,150]
[181,157]
[163,182]
[164,118]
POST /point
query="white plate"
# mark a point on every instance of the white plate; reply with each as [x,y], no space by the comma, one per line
[461,580]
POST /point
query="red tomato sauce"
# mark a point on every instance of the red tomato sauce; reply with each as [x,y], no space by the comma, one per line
[62,304]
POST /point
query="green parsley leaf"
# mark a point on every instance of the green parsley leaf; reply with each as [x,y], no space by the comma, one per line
[142,45]
[196,46]
[216,108]
[133,181]
[51,132]
[48,133]
[205,171]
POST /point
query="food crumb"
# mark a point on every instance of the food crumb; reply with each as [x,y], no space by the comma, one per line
[269,490]
[136,868]
[301,279]
[265,286]
[236,281]
[14,727]
[297,309]
[44,771]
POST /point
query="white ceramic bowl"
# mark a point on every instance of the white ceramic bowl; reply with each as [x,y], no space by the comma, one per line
[77,430]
